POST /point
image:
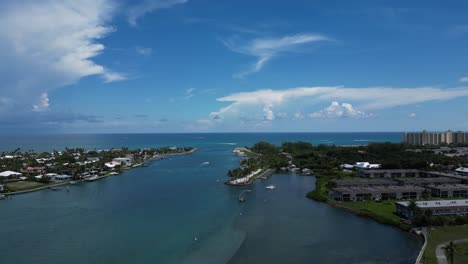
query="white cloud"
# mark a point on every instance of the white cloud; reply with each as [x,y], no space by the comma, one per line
[298,116]
[264,49]
[365,98]
[268,114]
[412,115]
[148,6]
[337,110]
[49,44]
[43,103]
[144,51]
[464,79]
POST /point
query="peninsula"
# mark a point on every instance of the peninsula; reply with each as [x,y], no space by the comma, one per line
[25,171]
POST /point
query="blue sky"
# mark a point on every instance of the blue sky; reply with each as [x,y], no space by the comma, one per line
[101,66]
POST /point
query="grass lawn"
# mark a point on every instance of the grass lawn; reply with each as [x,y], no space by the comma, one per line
[462,256]
[23,185]
[382,212]
[439,235]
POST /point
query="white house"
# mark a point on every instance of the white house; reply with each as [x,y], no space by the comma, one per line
[63,177]
[366,165]
[51,176]
[112,164]
[127,161]
[8,174]
[2,188]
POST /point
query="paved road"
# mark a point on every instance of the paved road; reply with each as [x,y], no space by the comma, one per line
[440,252]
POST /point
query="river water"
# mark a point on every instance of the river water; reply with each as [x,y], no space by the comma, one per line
[178,210]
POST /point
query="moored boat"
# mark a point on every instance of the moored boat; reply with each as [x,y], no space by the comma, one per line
[270,187]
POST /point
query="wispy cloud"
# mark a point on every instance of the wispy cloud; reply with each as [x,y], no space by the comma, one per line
[463,79]
[264,49]
[365,98]
[147,6]
[144,51]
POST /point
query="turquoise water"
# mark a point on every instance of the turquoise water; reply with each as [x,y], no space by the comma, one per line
[179,211]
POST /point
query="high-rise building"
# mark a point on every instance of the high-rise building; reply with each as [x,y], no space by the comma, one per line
[435,138]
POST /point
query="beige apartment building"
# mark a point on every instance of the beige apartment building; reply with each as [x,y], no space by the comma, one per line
[435,138]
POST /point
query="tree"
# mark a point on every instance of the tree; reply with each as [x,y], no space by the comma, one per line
[450,251]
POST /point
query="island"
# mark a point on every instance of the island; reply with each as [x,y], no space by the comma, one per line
[26,171]
[421,189]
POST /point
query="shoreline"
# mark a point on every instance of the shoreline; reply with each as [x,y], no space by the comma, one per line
[99,177]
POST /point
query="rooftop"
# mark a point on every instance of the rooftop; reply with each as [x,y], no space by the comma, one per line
[429,180]
[380,189]
[361,181]
[452,187]
[438,203]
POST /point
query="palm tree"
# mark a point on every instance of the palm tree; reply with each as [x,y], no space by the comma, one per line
[450,251]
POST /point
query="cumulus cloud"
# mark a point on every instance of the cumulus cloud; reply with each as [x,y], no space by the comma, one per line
[43,103]
[337,110]
[264,49]
[147,6]
[365,98]
[49,44]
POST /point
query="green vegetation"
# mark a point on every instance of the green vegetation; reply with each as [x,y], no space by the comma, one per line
[23,185]
[461,254]
[390,155]
[382,212]
[445,234]
[262,155]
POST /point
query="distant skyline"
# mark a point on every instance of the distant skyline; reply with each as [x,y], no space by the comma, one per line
[161,66]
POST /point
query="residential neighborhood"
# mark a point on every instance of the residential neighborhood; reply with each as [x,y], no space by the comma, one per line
[23,171]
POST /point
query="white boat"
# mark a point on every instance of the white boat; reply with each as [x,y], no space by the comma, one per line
[270,187]
[92,178]
[2,196]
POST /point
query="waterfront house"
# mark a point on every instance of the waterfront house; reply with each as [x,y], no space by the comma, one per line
[112,164]
[51,176]
[2,188]
[9,174]
[61,178]
[127,161]
[34,170]
[366,165]
[437,207]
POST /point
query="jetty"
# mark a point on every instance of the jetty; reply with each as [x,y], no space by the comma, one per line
[251,178]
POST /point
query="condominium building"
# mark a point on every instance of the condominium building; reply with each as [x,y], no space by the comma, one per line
[435,138]
[437,207]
